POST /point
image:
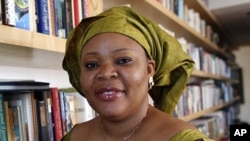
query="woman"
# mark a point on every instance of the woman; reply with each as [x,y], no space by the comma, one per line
[115,59]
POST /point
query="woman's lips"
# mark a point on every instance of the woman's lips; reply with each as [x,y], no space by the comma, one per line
[109,94]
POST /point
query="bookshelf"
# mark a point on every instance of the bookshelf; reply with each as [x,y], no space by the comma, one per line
[22,48]
[210,110]
[30,49]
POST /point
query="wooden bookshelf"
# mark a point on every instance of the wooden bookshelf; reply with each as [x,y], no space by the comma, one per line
[210,110]
[205,13]
[205,75]
[34,40]
[23,48]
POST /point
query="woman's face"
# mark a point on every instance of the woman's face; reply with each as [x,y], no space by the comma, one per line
[114,74]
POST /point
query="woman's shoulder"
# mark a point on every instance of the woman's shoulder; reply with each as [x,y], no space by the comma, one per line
[190,135]
[79,130]
[169,121]
[179,130]
[164,126]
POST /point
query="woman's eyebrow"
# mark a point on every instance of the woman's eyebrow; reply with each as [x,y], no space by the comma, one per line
[123,49]
[94,53]
[90,53]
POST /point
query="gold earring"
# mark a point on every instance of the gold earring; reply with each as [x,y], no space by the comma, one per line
[151,82]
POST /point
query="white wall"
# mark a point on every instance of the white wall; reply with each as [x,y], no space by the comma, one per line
[243,58]
[56,78]
[217,4]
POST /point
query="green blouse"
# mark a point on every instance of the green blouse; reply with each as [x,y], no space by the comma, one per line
[185,135]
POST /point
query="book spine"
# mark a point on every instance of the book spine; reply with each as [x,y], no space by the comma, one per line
[69,20]
[86,10]
[16,122]
[11,135]
[47,99]
[35,118]
[32,15]
[56,113]
[7,117]
[71,102]
[3,128]
[76,13]
[59,18]
[42,121]
[22,15]
[63,113]
[20,116]
[51,17]
[43,17]
[8,15]
[1,1]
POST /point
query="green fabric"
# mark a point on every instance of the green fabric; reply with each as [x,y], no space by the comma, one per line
[173,65]
[190,135]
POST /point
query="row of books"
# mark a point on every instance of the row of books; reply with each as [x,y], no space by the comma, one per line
[34,111]
[192,18]
[203,95]
[204,60]
[208,62]
[215,124]
[52,17]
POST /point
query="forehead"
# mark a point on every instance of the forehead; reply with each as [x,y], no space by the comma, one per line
[111,41]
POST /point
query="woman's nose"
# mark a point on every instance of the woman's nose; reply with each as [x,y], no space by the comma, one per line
[107,71]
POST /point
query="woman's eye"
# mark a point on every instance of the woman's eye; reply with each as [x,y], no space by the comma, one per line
[124,60]
[91,65]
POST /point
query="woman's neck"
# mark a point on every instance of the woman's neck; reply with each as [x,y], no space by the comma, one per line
[123,129]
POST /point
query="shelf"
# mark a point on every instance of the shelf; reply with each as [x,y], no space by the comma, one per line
[205,13]
[210,19]
[20,37]
[207,111]
[30,49]
[202,74]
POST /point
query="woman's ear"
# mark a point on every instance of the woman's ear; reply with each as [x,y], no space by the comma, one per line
[151,67]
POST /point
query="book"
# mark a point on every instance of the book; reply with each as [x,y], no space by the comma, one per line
[35,119]
[65,113]
[7,120]
[42,121]
[26,98]
[52,23]
[60,18]
[69,16]
[17,121]
[22,14]
[23,85]
[18,117]
[56,112]
[32,15]
[8,12]
[3,126]
[43,17]
[76,12]
[68,113]
[48,112]
[70,99]
[82,110]
[0,11]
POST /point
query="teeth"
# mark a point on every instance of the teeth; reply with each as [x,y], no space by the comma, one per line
[110,92]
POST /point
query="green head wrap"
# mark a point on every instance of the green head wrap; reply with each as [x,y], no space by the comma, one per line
[173,65]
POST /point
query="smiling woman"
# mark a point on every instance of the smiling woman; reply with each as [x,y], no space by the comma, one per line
[117,60]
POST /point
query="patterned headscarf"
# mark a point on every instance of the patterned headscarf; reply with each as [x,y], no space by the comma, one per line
[173,65]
